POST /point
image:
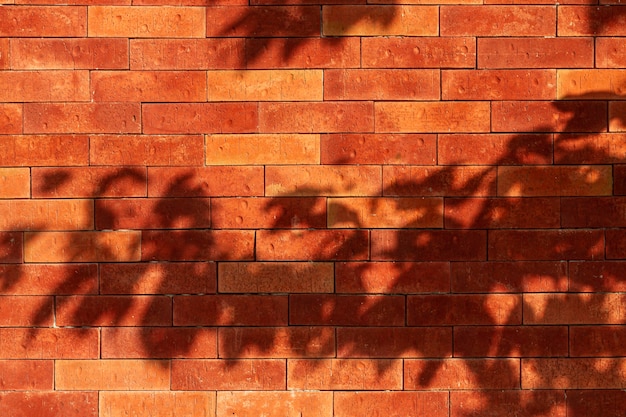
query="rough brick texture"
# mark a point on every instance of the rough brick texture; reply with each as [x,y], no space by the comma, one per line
[312,208]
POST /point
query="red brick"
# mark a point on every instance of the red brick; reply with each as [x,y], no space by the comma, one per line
[30,375]
[436,116]
[11,117]
[499,213]
[19,215]
[391,404]
[564,116]
[276,342]
[587,373]
[608,403]
[327,116]
[322,180]
[43,21]
[26,311]
[592,84]
[510,341]
[276,277]
[498,84]
[391,84]
[42,343]
[546,245]
[394,342]
[597,341]
[262,213]
[158,342]
[88,182]
[392,277]
[186,54]
[593,212]
[11,247]
[4,54]
[596,148]
[158,278]
[50,403]
[498,309]
[197,245]
[274,404]
[619,179]
[498,21]
[490,277]
[222,375]
[574,308]
[109,310]
[429,245]
[610,53]
[82,246]
[33,86]
[312,245]
[230,310]
[377,20]
[461,374]
[260,21]
[616,116]
[597,276]
[152,213]
[14,182]
[82,118]
[494,149]
[51,279]
[265,85]
[344,374]
[552,181]
[306,53]
[199,118]
[383,149]
[146,22]
[263,149]
[518,403]
[112,375]
[156,86]
[410,52]
[385,212]
[146,150]
[211,181]
[29,54]
[157,404]
[536,52]
[44,150]
[420,181]
[591,20]
[346,310]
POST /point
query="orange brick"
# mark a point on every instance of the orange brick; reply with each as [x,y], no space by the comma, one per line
[43,21]
[11,247]
[536,52]
[580,149]
[432,117]
[26,311]
[199,245]
[344,374]
[566,373]
[276,342]
[275,277]
[69,53]
[156,86]
[461,374]
[268,85]
[112,375]
[578,180]
[230,310]
[394,342]
[576,308]
[322,180]
[11,118]
[494,149]
[510,341]
[610,53]
[88,182]
[391,404]
[50,403]
[158,342]
[385,84]
[274,404]
[213,181]
[32,215]
[598,341]
[186,54]
[4,53]
[262,149]
[617,123]
[410,52]
[113,311]
[419,181]
[44,150]
[223,375]
[14,182]
[591,21]
[146,150]
[498,21]
[498,84]
[157,404]
[200,118]
[546,245]
[260,21]
[597,276]
[385,212]
[42,343]
[146,22]
[446,310]
[428,245]
[29,375]
[373,20]
[521,403]
[591,84]
[312,245]
[82,246]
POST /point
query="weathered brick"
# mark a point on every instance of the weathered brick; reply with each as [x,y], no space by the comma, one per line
[158,342]
[521,403]
[49,403]
[274,403]
[110,310]
[188,118]
[197,245]
[88,182]
[35,86]
[606,402]
[157,404]
[344,374]
[327,117]
[596,84]
[597,341]
[536,52]
[597,276]
[385,212]
[27,375]
[11,118]
[497,21]
[263,85]
[574,308]
[583,373]
[11,247]
[35,215]
[595,148]
[410,52]
[375,20]
[394,342]
[146,22]
[276,277]
[441,310]
[462,117]
[44,150]
[312,245]
[230,310]
[510,341]
[420,181]
[575,180]
[429,245]
[260,21]
[262,149]
[43,21]
[111,375]
[461,374]
[610,53]
[42,343]
[224,375]
[14,182]
[591,21]
[155,86]
[391,404]
[210,181]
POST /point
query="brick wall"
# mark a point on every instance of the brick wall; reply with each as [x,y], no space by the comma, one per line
[311,209]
